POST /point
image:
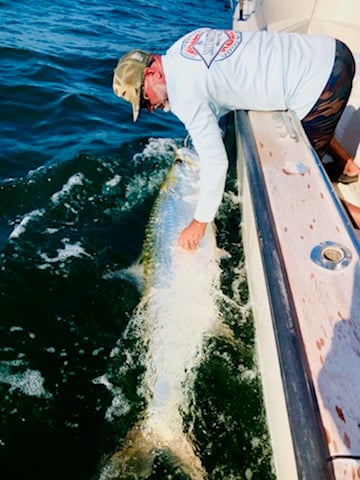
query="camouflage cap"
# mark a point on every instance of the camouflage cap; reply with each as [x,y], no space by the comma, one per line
[128,78]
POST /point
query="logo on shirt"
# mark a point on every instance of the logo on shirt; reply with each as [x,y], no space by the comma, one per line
[210,45]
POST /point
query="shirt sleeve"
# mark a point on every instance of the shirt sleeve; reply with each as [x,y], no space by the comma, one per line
[207,139]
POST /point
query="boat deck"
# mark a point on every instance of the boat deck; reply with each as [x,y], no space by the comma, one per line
[316,250]
[322,277]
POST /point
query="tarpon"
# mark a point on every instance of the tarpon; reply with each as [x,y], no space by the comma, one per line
[178,313]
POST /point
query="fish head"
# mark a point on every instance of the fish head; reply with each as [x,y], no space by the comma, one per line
[187,156]
[186,163]
[185,173]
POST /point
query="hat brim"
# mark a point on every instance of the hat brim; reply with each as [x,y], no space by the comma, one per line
[128,78]
[136,109]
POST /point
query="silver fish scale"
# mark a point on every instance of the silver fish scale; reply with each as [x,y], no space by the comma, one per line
[173,210]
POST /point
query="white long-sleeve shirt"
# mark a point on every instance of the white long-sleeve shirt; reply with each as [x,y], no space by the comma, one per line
[212,72]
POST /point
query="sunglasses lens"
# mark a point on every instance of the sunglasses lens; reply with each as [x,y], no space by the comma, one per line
[144,102]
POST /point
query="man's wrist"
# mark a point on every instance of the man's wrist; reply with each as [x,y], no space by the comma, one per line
[198,222]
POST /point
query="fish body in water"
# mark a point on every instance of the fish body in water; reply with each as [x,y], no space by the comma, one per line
[178,314]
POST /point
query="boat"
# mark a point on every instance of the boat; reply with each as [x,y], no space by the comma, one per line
[302,260]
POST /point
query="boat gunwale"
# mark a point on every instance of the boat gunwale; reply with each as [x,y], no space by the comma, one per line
[308,437]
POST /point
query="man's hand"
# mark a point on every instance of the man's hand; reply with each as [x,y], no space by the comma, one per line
[191,235]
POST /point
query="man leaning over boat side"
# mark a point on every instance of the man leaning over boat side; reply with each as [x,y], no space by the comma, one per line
[208,73]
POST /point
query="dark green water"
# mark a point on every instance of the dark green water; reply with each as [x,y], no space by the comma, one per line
[64,308]
[78,181]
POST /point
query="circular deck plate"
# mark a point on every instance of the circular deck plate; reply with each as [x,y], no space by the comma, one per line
[331,255]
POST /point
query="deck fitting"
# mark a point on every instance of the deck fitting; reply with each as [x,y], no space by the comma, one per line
[331,255]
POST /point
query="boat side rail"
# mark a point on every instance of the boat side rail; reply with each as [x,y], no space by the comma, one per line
[308,437]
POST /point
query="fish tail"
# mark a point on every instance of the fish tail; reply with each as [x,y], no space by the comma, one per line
[182,456]
[133,460]
[136,458]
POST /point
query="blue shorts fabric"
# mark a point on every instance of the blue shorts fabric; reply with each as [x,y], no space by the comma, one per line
[320,123]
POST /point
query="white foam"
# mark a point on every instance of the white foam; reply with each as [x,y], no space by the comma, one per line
[29,382]
[157,147]
[52,230]
[139,184]
[177,322]
[97,351]
[120,405]
[21,227]
[113,182]
[15,328]
[76,179]
[69,250]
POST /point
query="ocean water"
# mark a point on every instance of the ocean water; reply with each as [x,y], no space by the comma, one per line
[77,183]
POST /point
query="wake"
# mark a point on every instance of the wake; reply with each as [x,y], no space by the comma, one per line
[174,321]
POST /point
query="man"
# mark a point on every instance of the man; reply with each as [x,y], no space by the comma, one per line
[208,73]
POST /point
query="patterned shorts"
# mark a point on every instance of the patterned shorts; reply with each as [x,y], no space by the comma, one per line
[320,123]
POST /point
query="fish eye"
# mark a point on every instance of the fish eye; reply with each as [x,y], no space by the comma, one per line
[178,161]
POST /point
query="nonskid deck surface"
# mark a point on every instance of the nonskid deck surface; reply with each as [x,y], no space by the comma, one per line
[326,300]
